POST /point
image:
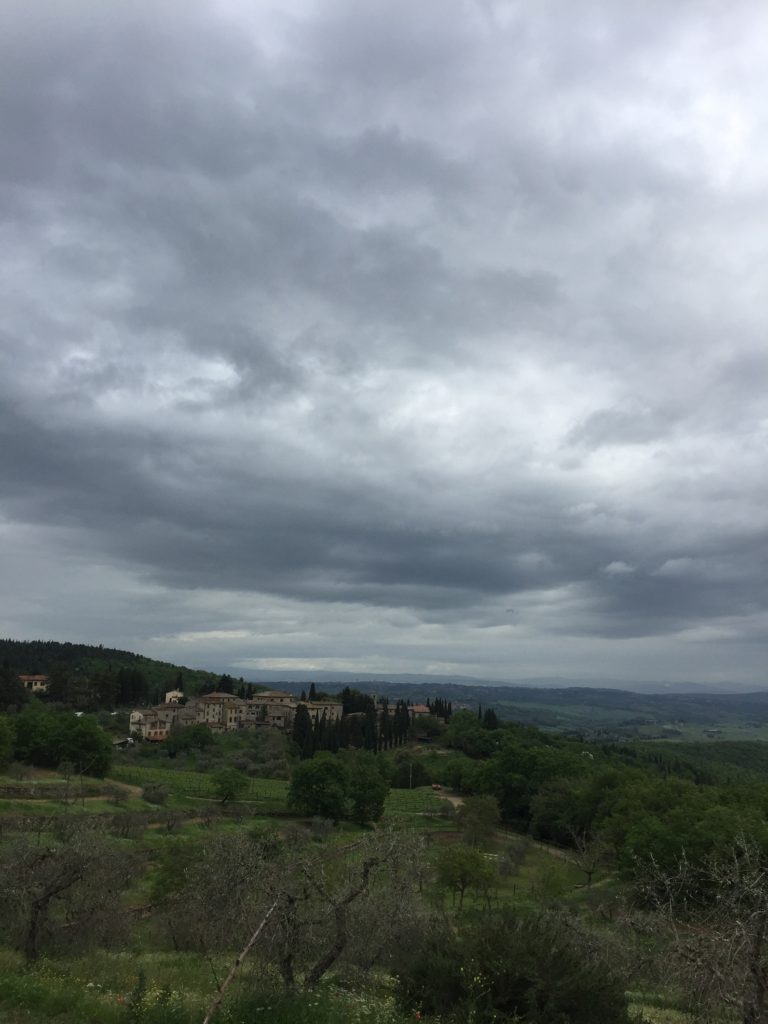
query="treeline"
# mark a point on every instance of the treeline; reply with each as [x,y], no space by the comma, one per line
[83,663]
[570,793]
[105,687]
[39,657]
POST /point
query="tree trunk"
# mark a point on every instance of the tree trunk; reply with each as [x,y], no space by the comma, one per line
[329,959]
[36,920]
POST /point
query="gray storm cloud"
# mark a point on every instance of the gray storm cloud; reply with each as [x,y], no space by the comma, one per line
[347,336]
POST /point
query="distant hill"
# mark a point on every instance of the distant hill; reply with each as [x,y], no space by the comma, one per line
[589,711]
[433,681]
[42,657]
[592,712]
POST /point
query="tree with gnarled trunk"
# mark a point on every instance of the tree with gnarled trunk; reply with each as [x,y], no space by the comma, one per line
[589,853]
[717,914]
[332,902]
[56,894]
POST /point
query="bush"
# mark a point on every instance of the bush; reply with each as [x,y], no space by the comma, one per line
[501,968]
[350,785]
[115,795]
[229,784]
[409,773]
[154,793]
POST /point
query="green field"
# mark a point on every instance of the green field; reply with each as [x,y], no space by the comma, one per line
[269,794]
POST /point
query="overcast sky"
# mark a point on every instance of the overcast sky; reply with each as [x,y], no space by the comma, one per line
[423,337]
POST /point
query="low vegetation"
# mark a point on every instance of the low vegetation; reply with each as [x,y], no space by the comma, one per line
[474,870]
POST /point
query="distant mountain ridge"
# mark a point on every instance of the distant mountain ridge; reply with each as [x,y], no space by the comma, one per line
[649,710]
[287,676]
[32,656]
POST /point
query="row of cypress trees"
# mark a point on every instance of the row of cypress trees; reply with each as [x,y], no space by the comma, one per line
[369,729]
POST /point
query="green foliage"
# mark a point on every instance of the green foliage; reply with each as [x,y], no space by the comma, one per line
[409,771]
[6,743]
[367,787]
[47,738]
[502,968]
[459,868]
[478,817]
[267,794]
[41,997]
[327,1005]
[161,1006]
[229,784]
[319,787]
[12,692]
[189,738]
[302,733]
[466,733]
[92,662]
[352,785]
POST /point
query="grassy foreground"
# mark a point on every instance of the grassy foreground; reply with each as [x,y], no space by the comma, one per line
[172,988]
[105,988]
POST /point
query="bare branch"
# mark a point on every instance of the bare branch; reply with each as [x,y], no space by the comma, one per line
[246,950]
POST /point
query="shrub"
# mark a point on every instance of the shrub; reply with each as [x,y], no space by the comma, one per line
[500,968]
[154,793]
[115,795]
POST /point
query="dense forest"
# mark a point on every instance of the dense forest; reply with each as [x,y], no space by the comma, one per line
[49,657]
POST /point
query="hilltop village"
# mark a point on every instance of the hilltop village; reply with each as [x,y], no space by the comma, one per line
[226,712]
[349,718]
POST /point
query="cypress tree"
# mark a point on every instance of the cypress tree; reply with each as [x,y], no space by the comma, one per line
[302,731]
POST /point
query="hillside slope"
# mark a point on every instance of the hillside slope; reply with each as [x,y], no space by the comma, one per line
[42,657]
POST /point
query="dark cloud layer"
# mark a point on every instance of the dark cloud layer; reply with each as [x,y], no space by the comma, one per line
[337,336]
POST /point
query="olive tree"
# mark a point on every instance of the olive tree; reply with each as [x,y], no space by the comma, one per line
[331,904]
[716,913]
[62,892]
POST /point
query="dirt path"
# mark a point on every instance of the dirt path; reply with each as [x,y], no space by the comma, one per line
[452,798]
[127,787]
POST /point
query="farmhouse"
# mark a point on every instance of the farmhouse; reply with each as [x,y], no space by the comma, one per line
[35,684]
[416,710]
